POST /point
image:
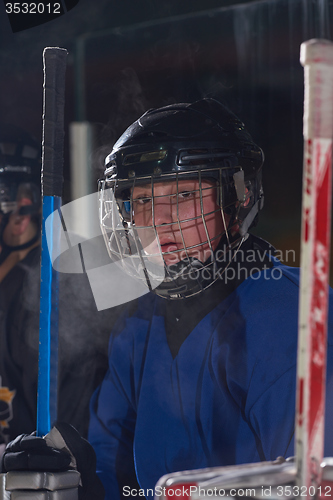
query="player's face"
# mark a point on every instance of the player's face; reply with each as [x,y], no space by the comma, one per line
[180,218]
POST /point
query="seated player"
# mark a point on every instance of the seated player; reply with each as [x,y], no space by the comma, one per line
[19,255]
[81,370]
[206,377]
[202,370]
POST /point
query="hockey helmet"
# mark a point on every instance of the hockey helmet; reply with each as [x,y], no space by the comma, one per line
[20,168]
[200,141]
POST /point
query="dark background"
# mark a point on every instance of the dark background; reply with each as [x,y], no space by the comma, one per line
[127,56]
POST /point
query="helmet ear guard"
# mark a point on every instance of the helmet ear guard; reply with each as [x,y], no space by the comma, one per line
[247,206]
[238,178]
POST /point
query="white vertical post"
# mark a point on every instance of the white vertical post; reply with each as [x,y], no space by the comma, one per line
[81,135]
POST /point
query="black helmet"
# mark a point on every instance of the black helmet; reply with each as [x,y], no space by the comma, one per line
[20,168]
[201,141]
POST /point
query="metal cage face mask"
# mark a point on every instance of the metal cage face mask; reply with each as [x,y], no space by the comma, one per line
[176,225]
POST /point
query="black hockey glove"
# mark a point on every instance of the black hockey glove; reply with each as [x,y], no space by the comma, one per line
[61,449]
[28,452]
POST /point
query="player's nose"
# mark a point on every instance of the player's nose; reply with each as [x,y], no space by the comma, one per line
[162,211]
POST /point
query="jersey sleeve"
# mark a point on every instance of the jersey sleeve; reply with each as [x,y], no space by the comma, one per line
[270,406]
[265,370]
[113,416]
[272,418]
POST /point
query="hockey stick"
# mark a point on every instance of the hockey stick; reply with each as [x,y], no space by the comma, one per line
[52,165]
[317,59]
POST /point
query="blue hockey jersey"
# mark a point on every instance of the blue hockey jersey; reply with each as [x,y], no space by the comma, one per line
[227,397]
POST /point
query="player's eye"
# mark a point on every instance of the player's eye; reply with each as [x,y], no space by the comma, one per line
[142,200]
[185,195]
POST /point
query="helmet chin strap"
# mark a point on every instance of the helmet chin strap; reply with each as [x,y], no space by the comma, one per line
[244,226]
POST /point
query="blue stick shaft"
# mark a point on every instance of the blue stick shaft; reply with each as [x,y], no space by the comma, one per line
[48,326]
[54,59]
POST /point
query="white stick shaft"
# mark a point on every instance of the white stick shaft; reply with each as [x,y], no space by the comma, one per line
[317,59]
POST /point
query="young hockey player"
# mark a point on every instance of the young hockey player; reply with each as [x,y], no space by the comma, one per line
[20,202]
[202,370]
[80,370]
[206,377]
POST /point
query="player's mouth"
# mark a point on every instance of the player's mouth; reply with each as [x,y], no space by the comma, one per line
[170,250]
[169,247]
